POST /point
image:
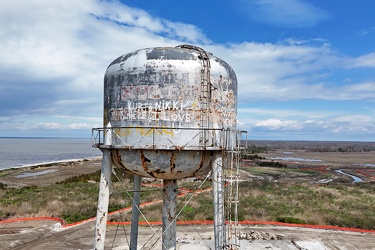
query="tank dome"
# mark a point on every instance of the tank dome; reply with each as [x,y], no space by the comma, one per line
[170,106]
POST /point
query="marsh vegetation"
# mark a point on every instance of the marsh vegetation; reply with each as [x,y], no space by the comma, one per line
[75,199]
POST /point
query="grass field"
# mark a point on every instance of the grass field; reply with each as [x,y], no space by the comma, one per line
[75,199]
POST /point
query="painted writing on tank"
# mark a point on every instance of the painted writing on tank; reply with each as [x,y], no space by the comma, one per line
[178,103]
[146,92]
[164,110]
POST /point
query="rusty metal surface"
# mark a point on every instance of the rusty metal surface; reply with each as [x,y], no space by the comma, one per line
[162,87]
[160,102]
[162,164]
[170,113]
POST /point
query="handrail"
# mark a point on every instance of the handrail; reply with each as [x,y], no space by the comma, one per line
[164,138]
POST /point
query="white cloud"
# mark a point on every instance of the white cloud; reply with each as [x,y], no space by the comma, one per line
[71,37]
[123,15]
[54,55]
[276,124]
[286,13]
[344,125]
[354,119]
[292,70]
[247,113]
[26,123]
[365,61]
[58,52]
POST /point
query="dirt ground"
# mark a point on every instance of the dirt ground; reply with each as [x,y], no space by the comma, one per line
[47,235]
[50,235]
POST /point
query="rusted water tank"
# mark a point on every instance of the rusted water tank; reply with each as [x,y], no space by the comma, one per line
[168,110]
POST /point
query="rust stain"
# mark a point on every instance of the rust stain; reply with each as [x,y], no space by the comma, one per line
[159,171]
[144,161]
[171,218]
[172,163]
[116,157]
[102,218]
[201,163]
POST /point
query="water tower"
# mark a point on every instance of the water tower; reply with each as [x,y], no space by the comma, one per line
[169,113]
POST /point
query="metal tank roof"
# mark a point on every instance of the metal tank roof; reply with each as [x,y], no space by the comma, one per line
[169,106]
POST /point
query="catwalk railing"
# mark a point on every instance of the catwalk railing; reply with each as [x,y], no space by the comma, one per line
[159,138]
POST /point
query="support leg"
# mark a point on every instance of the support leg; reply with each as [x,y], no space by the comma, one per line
[102,212]
[169,214]
[135,213]
[218,192]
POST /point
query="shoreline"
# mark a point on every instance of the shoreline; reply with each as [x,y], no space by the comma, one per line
[50,163]
[29,152]
[48,173]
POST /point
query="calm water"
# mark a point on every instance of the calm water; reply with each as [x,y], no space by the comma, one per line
[294,159]
[19,152]
[355,178]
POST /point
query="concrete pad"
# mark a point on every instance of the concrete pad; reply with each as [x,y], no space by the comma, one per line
[193,246]
[310,245]
[268,244]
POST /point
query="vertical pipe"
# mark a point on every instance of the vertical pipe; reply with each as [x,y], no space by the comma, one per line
[135,213]
[169,214]
[217,187]
[103,200]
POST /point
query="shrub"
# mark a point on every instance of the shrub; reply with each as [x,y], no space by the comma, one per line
[290,220]
[3,186]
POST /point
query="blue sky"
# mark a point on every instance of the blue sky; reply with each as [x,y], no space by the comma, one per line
[306,69]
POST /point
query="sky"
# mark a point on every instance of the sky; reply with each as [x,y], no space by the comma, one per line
[305,69]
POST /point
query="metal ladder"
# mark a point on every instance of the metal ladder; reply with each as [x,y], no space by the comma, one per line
[204,96]
[232,174]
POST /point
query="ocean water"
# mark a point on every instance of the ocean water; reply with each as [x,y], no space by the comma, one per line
[21,152]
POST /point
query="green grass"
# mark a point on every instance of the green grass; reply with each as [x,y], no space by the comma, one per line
[75,199]
[334,204]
